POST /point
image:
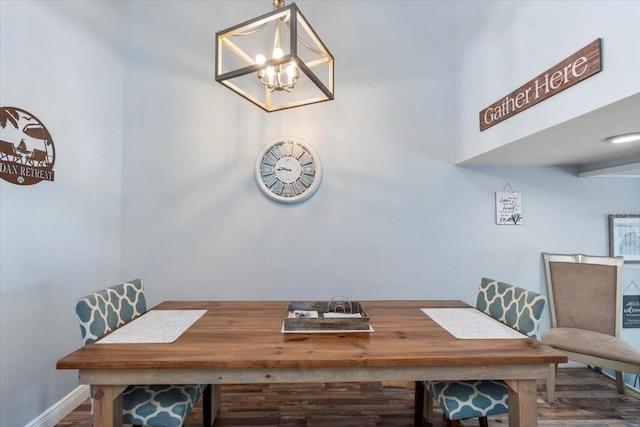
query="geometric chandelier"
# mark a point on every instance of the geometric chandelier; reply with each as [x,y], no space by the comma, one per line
[276,61]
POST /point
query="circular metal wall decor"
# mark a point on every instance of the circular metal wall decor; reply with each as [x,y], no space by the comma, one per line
[288,170]
[27,153]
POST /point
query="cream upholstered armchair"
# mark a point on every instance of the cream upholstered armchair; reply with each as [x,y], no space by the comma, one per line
[585,303]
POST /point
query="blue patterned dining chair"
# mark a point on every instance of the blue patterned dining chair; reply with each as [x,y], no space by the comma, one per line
[162,405]
[517,308]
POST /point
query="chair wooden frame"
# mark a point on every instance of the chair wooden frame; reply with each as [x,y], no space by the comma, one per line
[613,329]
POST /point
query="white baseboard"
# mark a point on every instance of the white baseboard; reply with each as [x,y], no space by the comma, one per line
[61,408]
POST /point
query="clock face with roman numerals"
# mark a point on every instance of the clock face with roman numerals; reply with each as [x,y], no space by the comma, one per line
[288,170]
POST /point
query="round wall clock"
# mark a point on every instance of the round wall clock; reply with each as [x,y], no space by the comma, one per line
[288,170]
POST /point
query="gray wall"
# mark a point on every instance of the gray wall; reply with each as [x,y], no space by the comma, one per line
[164,191]
[62,62]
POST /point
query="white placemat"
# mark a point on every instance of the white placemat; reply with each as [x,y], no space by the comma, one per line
[155,326]
[470,323]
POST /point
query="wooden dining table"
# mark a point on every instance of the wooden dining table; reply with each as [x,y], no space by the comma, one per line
[242,342]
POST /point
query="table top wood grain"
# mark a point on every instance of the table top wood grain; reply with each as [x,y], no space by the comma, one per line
[247,335]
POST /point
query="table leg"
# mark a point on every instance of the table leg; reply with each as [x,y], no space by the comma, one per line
[551,383]
[523,404]
[107,405]
[419,403]
[211,404]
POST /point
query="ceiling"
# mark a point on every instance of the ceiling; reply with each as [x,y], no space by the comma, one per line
[580,141]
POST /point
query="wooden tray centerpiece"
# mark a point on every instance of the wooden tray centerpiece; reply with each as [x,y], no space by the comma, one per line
[337,315]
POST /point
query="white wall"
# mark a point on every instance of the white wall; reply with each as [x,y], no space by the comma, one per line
[500,46]
[393,218]
[193,212]
[58,240]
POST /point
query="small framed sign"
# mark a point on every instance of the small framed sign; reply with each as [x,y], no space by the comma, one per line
[631,308]
[624,237]
[508,207]
[631,311]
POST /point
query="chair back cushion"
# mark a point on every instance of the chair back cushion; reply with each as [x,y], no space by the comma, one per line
[584,294]
[103,311]
[518,308]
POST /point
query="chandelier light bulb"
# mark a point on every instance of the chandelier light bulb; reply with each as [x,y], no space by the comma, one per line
[279,77]
[277,53]
[270,72]
[292,70]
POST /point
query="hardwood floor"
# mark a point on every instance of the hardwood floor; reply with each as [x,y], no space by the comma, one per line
[583,398]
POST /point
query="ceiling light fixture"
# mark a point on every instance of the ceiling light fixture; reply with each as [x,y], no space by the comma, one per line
[299,71]
[628,137]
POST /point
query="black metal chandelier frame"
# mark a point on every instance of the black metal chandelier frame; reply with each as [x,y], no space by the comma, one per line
[263,97]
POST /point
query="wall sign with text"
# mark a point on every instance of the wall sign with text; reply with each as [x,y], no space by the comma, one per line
[508,208]
[631,308]
[583,64]
[27,153]
[631,311]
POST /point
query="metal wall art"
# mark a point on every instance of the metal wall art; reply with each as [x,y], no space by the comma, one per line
[27,153]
